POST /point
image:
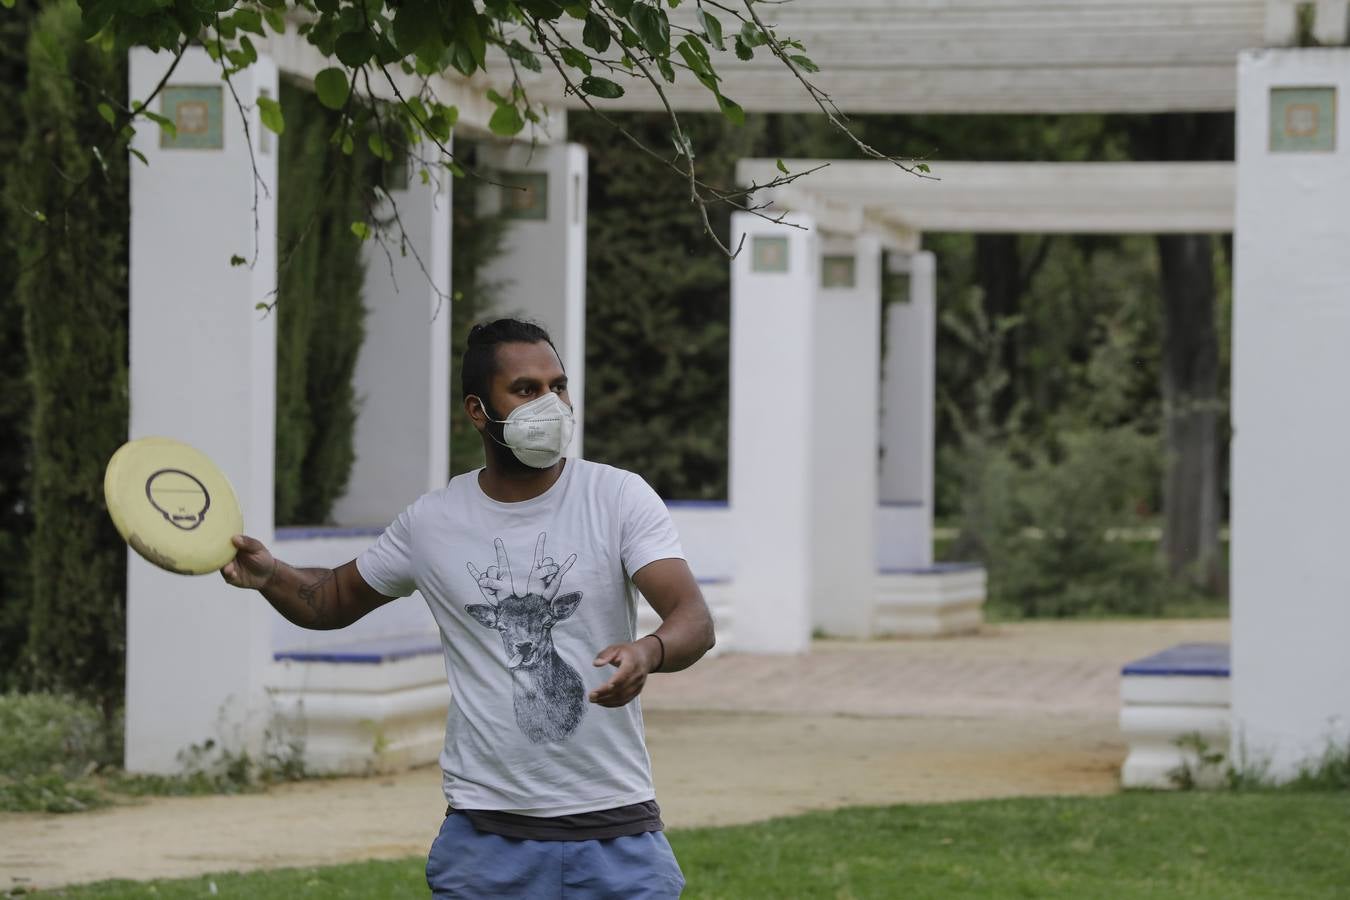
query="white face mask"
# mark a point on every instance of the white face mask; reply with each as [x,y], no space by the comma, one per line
[537,432]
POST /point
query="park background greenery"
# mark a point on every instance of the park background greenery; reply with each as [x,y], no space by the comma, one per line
[1052,440]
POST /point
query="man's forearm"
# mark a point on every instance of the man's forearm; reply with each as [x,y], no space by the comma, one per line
[310,598]
[686,634]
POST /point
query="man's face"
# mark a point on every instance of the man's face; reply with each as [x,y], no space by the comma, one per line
[525,372]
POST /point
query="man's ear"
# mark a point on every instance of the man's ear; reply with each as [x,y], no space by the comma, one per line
[477,413]
[564,606]
[484,614]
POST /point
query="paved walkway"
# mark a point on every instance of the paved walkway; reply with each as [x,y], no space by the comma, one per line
[1019,709]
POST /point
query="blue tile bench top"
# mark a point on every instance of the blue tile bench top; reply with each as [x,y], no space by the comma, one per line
[1195,660]
[371,651]
[942,568]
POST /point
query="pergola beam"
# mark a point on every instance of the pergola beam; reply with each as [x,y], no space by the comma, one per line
[1045,198]
[977,56]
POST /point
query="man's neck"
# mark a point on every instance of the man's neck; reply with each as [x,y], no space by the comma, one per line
[512,485]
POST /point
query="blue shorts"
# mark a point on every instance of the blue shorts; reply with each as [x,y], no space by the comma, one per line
[466,864]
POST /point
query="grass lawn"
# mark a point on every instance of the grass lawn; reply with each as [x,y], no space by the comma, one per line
[1192,845]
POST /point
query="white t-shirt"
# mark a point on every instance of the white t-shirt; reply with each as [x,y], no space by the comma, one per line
[521,735]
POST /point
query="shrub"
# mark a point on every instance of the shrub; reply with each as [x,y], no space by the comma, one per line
[72,283]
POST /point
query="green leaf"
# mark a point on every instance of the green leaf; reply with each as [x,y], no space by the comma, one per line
[596,33]
[378,147]
[576,59]
[577,10]
[752,35]
[782,168]
[249,20]
[731,110]
[7,4]
[415,22]
[269,111]
[652,27]
[620,7]
[743,50]
[261,305]
[667,70]
[332,87]
[595,86]
[712,28]
[923,167]
[166,125]
[107,113]
[361,230]
[348,145]
[506,121]
[138,154]
[237,260]
[805,63]
[355,48]
[276,19]
[524,55]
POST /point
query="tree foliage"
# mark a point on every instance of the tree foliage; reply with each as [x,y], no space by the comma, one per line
[320,315]
[658,310]
[73,287]
[478,238]
[16,519]
[384,56]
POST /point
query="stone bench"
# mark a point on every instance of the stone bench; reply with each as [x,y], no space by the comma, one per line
[367,705]
[1168,699]
[929,601]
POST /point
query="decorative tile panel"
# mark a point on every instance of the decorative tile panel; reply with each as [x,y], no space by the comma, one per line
[197,111]
[525,195]
[838,271]
[1302,119]
[768,254]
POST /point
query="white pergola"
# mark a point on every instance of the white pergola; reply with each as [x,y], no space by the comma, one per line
[805,494]
[1044,198]
[803,533]
[989,56]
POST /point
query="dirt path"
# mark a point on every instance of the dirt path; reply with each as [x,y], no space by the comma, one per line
[1017,710]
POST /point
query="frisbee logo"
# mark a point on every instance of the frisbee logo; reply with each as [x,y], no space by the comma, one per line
[178,496]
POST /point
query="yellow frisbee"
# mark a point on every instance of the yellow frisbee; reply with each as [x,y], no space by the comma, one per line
[172,505]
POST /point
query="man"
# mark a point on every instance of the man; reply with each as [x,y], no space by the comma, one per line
[530,566]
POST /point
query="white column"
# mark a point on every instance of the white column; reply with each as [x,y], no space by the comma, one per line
[842,422]
[402,379]
[203,370]
[542,272]
[907,402]
[773,289]
[1291,326]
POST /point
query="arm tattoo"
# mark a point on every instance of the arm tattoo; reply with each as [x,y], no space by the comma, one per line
[314,596]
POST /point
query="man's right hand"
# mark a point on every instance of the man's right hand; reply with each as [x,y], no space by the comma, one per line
[253,565]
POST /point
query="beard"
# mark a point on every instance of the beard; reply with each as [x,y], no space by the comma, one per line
[494,440]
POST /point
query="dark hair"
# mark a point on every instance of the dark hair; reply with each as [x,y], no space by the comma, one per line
[480,354]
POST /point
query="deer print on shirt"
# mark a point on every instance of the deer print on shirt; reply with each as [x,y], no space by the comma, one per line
[549,696]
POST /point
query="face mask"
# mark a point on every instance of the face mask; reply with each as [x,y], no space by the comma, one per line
[537,432]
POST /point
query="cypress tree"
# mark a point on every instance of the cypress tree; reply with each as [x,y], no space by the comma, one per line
[72,285]
[478,239]
[16,403]
[658,305]
[320,323]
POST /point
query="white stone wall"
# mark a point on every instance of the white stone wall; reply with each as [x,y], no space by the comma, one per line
[202,370]
[1291,366]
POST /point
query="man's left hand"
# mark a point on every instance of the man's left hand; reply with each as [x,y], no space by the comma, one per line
[634,661]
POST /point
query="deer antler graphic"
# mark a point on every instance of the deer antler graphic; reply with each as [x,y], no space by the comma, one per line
[546,575]
[496,583]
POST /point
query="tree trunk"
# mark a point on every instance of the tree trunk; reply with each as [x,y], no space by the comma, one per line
[1190,390]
